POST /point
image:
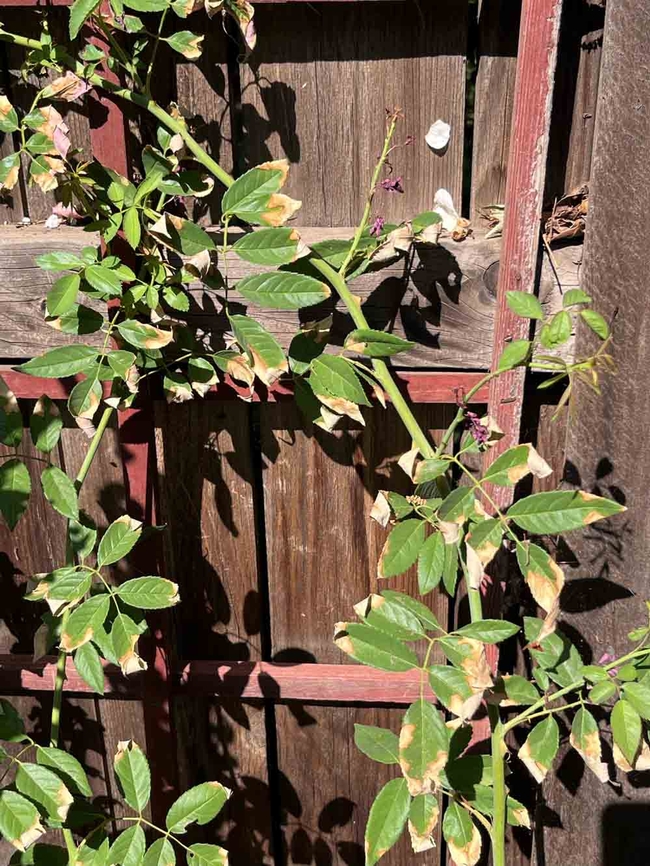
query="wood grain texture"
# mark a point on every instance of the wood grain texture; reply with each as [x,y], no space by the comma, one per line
[604,451]
[493,99]
[326,563]
[445,301]
[203,97]
[206,503]
[538,40]
[316,89]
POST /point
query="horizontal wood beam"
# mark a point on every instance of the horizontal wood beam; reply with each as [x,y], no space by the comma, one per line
[420,387]
[444,299]
[246,680]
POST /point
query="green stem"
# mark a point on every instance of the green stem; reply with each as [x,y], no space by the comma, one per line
[92,448]
[154,53]
[499,802]
[460,415]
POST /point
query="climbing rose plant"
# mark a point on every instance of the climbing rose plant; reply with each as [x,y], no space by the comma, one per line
[134,293]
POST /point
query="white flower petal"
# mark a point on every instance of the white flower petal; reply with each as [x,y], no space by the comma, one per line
[438,135]
[444,207]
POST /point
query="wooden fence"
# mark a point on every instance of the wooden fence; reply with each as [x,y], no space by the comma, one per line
[266,521]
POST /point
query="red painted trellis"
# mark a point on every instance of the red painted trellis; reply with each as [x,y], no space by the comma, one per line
[530,127]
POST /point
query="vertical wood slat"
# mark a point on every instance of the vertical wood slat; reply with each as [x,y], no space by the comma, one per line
[322,558]
[538,41]
[493,99]
[605,453]
[206,500]
[316,89]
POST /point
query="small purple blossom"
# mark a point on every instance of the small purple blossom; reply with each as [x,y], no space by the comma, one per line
[377,226]
[392,184]
[479,431]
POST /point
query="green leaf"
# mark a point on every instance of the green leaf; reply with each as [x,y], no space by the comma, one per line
[450,570]
[59,363]
[514,354]
[375,648]
[541,747]
[8,116]
[386,820]
[423,746]
[429,470]
[423,818]
[638,694]
[79,320]
[555,653]
[266,354]
[15,488]
[129,847]
[334,376]
[402,548]
[200,804]
[283,290]
[144,336]
[390,617]
[161,853]
[93,851]
[561,511]
[525,305]
[131,226]
[420,610]
[431,561]
[88,665]
[277,246]
[585,739]
[519,691]
[83,535]
[63,294]
[375,344]
[118,540]
[124,637]
[103,279]
[133,774]
[424,220]
[60,492]
[147,5]
[59,261]
[461,836]
[626,729]
[120,361]
[249,194]
[66,584]
[149,593]
[458,505]
[557,331]
[451,686]
[19,820]
[204,854]
[43,786]
[596,322]
[82,622]
[12,727]
[602,692]
[514,464]
[40,855]
[188,238]
[85,398]
[66,766]
[80,11]
[45,425]
[379,744]
[575,296]
[488,630]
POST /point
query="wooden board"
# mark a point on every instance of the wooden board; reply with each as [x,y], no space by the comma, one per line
[317,87]
[493,99]
[446,301]
[206,503]
[605,454]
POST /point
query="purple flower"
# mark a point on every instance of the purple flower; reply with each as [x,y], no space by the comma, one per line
[377,226]
[479,431]
[392,184]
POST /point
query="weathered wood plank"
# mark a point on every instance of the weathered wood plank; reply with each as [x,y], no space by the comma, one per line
[445,302]
[493,99]
[204,100]
[206,502]
[605,454]
[316,89]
